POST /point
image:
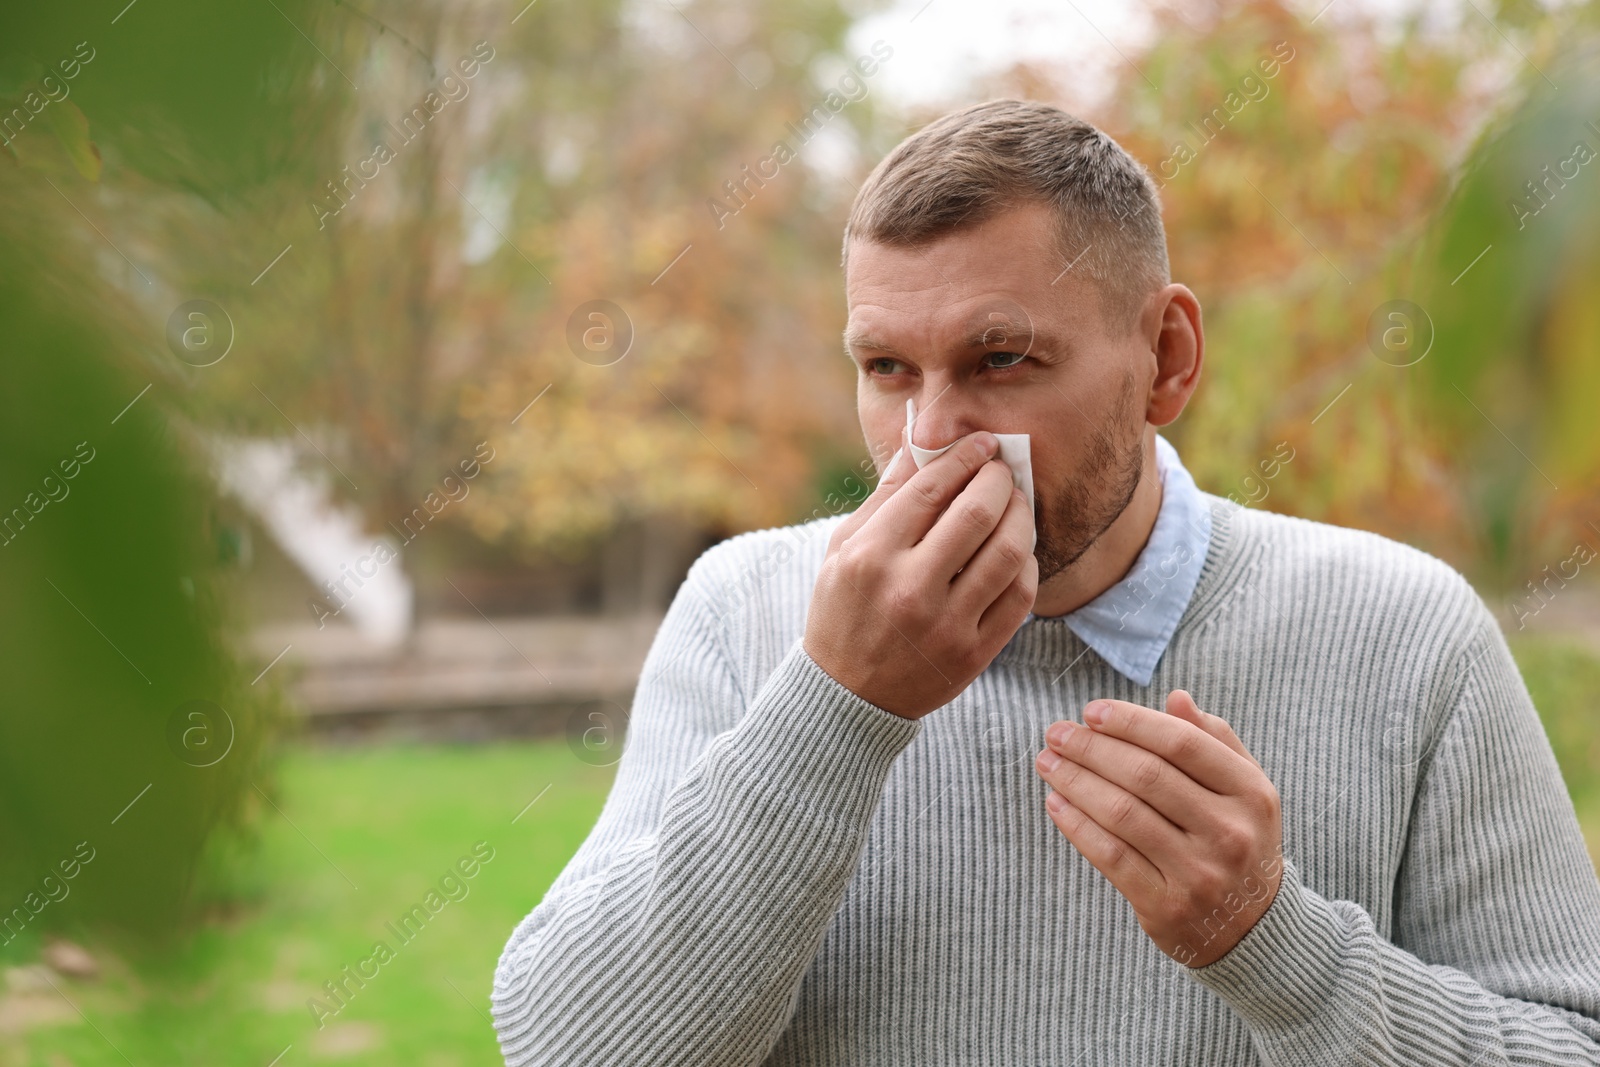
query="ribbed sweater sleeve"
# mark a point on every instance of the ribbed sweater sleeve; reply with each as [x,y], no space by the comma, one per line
[1495,955]
[681,930]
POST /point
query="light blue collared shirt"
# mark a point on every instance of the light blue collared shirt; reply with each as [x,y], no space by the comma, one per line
[1131,623]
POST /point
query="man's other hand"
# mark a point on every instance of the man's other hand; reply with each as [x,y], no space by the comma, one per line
[1176,813]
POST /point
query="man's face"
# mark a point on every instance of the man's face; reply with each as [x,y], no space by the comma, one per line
[986,332]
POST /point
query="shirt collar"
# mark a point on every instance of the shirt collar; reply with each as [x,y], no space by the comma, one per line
[1131,624]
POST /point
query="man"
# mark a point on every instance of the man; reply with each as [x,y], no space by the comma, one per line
[840,831]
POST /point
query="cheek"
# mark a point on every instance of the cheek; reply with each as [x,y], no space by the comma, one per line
[1067,470]
[882,451]
[880,427]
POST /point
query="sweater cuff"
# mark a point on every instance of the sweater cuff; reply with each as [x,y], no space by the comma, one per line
[817,742]
[1283,972]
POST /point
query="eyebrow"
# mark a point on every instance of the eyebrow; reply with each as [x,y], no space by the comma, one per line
[855,337]
[975,333]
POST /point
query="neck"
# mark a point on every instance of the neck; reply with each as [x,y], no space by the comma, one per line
[1112,555]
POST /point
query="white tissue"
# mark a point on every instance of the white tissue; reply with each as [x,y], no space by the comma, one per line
[1015,452]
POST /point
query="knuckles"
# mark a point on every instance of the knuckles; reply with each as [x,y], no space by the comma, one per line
[1189,744]
[1077,744]
[899,596]
[1011,554]
[855,563]
[1148,773]
[979,516]
[927,493]
[1027,583]
[1122,810]
[1264,802]
[902,605]
[1234,843]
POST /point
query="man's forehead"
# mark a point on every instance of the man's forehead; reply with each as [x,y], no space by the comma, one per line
[1000,274]
[984,319]
[1011,242]
[971,315]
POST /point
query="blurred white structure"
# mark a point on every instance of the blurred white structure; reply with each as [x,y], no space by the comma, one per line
[360,574]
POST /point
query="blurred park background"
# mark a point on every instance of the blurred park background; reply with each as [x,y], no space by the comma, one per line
[374,371]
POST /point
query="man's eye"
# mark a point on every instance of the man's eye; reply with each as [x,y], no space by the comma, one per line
[882,365]
[1001,360]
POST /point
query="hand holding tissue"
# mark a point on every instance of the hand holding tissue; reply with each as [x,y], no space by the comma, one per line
[920,591]
[1015,452]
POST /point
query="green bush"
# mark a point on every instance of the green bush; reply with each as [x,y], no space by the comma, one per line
[1563,677]
[129,734]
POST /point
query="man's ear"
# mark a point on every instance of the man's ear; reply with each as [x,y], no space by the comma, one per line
[1177,341]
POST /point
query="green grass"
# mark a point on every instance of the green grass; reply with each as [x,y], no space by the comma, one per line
[1563,677]
[392,820]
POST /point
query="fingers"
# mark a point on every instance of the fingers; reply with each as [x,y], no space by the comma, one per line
[1180,705]
[999,561]
[1178,798]
[965,526]
[1132,874]
[1189,748]
[1116,810]
[910,511]
[1001,618]
[901,467]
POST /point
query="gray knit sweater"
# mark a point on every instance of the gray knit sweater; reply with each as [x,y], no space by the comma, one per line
[785,874]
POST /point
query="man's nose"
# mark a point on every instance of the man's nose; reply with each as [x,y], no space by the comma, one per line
[941,419]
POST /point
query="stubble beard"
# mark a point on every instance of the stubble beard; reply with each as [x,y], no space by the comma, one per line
[1073,520]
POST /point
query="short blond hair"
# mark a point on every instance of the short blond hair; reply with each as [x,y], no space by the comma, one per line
[970,165]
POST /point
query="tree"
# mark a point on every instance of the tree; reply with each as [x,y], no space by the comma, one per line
[131,734]
[603,153]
